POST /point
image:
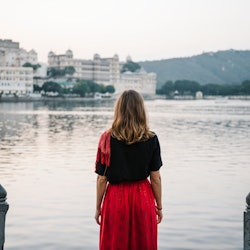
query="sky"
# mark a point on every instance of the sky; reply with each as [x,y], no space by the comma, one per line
[142,29]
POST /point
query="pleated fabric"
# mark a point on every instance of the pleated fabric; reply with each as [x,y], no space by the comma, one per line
[128,217]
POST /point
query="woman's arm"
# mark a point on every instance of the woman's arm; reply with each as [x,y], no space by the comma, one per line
[101,184]
[155,179]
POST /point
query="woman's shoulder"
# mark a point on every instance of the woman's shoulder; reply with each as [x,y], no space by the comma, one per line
[152,135]
[154,138]
[104,137]
[105,133]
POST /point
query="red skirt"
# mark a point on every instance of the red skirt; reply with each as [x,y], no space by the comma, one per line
[128,217]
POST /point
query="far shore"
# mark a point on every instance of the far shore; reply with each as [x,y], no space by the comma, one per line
[148,97]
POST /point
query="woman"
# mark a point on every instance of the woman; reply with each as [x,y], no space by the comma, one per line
[128,206]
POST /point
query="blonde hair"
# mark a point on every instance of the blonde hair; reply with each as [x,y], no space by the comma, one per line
[130,121]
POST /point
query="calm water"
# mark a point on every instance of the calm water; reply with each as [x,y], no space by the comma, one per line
[47,155]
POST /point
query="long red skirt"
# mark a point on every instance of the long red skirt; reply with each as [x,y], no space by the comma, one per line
[128,217]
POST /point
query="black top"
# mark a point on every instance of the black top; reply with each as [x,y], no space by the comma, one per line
[131,162]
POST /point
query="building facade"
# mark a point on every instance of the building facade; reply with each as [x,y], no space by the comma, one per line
[105,71]
[141,81]
[15,79]
[11,55]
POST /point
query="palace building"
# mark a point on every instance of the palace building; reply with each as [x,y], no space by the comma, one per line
[15,79]
[18,80]
[105,71]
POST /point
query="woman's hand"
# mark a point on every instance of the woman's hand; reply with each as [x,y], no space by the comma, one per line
[97,216]
[159,215]
[101,184]
[155,179]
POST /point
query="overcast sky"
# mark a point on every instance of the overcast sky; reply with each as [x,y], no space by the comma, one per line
[143,29]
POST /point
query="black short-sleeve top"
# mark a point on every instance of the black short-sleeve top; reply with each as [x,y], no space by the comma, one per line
[131,162]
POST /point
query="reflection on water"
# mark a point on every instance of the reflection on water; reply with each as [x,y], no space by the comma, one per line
[47,167]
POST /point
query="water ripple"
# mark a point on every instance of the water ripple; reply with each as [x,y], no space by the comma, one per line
[47,166]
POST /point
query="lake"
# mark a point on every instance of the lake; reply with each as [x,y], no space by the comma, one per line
[47,156]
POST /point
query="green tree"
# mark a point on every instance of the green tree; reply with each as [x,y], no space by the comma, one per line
[245,87]
[36,88]
[227,89]
[94,87]
[33,66]
[51,72]
[70,70]
[101,88]
[52,87]
[167,88]
[81,88]
[186,86]
[55,72]
[110,89]
[211,89]
[130,66]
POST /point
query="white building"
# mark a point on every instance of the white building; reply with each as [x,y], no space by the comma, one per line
[105,71]
[13,56]
[141,81]
[15,79]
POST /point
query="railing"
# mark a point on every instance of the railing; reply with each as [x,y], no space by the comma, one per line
[247,224]
[4,206]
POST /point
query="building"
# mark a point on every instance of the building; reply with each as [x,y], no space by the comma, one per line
[8,44]
[11,55]
[105,71]
[15,79]
[141,81]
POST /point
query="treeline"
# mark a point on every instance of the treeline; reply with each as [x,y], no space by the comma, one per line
[81,88]
[186,87]
[130,66]
[55,72]
[30,65]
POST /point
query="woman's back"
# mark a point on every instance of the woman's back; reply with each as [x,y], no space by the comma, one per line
[133,162]
[127,203]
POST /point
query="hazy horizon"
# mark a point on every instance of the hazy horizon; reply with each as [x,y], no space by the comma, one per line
[143,29]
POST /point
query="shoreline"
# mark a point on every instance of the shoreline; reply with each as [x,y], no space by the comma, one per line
[52,99]
[153,97]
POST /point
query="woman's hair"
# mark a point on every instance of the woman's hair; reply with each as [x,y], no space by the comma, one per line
[130,121]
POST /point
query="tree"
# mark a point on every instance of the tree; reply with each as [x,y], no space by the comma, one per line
[55,72]
[184,86]
[130,66]
[110,89]
[52,72]
[245,87]
[211,89]
[70,70]
[94,87]
[227,89]
[33,66]
[167,88]
[52,87]
[81,88]
[36,88]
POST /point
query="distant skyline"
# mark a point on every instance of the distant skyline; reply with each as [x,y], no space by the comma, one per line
[142,29]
